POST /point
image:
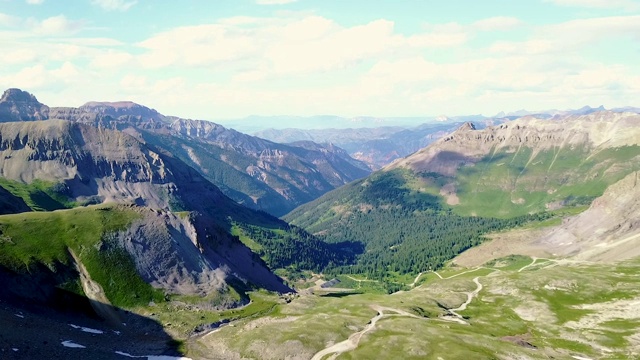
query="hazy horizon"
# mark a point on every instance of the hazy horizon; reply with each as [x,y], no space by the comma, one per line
[232,58]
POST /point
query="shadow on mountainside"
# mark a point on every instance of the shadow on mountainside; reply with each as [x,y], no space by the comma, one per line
[41,320]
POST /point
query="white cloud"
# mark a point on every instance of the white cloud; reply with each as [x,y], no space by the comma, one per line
[274,2]
[114,5]
[34,2]
[95,42]
[56,25]
[629,5]
[308,64]
[498,23]
[111,60]
[571,36]
[41,77]
[289,45]
[18,56]
[8,20]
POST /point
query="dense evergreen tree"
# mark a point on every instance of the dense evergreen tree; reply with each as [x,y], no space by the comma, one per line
[402,229]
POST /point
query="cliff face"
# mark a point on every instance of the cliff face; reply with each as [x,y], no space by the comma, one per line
[103,163]
[608,231]
[18,105]
[254,172]
[466,146]
[121,108]
[195,255]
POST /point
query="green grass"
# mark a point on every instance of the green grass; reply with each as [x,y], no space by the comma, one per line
[39,195]
[571,345]
[510,263]
[45,237]
[179,315]
[512,184]
[245,239]
[318,321]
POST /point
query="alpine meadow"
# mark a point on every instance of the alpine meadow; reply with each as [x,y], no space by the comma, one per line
[319,179]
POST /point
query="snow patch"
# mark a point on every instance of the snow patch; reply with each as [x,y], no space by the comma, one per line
[86,329]
[19,315]
[71,344]
[153,357]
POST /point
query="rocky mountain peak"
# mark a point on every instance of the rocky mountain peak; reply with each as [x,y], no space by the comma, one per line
[121,108]
[17,95]
[18,105]
[604,129]
[198,128]
[468,126]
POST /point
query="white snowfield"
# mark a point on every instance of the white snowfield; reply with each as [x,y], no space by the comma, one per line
[86,329]
[71,344]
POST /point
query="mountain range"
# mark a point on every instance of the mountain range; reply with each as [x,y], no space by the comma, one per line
[255,172]
[422,206]
[123,221]
[375,146]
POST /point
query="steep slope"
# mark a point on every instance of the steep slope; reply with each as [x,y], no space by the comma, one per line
[422,210]
[18,105]
[11,204]
[376,146]
[254,172]
[94,165]
[608,230]
[529,165]
[258,173]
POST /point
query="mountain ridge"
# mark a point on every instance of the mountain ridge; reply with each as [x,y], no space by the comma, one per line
[239,164]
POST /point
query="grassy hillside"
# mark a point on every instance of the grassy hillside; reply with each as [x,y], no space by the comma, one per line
[31,240]
[39,195]
[521,309]
[402,227]
[511,184]
[410,222]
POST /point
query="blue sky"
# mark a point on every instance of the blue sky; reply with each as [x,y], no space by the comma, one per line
[221,59]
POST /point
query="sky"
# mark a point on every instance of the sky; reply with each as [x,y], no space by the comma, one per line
[223,59]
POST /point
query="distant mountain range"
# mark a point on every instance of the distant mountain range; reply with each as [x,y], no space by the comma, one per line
[377,143]
[255,172]
[376,146]
[512,171]
[253,124]
[116,216]
[258,124]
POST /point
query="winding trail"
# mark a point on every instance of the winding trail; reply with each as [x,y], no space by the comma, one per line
[352,342]
[533,261]
[462,273]
[470,296]
[413,284]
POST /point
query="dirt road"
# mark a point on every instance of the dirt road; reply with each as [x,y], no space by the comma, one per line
[470,296]
[352,342]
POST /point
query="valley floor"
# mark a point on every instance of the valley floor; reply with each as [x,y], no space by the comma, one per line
[514,307]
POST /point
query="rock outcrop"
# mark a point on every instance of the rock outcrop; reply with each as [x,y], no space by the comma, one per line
[467,145]
[18,105]
[609,230]
[98,165]
[240,164]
